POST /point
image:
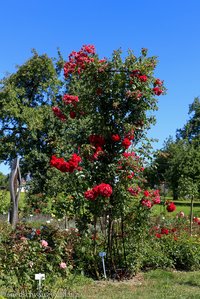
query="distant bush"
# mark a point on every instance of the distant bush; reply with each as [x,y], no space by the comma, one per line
[169,245]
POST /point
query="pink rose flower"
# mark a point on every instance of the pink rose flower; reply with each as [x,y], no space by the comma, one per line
[146,203]
[44,243]
[63,265]
[181,214]
[156,200]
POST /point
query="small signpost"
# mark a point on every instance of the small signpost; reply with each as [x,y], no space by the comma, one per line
[102,254]
[39,277]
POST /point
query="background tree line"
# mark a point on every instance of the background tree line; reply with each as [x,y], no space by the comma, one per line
[177,164]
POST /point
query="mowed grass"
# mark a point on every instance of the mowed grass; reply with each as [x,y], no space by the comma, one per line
[160,209]
[157,284]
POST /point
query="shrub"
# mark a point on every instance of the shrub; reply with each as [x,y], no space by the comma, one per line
[27,251]
[169,244]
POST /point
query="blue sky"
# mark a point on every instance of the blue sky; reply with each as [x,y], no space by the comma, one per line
[169,29]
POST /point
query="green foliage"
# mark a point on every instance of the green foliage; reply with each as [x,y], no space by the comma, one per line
[169,245]
[3,181]
[191,130]
[187,188]
[24,253]
[179,160]
[178,165]
[4,201]
[26,121]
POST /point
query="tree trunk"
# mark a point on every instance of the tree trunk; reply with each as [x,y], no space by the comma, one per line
[191,214]
[175,194]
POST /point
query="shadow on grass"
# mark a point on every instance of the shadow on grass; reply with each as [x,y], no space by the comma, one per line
[189,283]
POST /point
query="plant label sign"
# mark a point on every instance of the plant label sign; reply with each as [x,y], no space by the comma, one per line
[39,276]
[102,254]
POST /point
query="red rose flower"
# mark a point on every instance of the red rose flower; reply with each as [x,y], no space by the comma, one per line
[88,48]
[158,82]
[69,99]
[38,232]
[57,112]
[127,155]
[105,190]
[97,140]
[115,138]
[143,78]
[164,231]
[66,166]
[196,220]
[79,60]
[126,143]
[98,152]
[157,91]
[171,207]
[90,194]
[130,135]
[134,191]
[158,235]
[146,193]
[72,114]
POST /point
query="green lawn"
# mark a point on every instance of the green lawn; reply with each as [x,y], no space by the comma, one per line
[157,284]
[179,207]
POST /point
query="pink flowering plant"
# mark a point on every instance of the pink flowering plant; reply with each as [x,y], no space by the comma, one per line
[27,251]
[105,110]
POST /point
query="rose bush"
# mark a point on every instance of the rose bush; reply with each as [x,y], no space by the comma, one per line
[27,251]
[106,102]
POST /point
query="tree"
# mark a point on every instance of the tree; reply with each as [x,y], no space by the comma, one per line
[107,101]
[191,130]
[189,189]
[180,158]
[3,181]
[26,120]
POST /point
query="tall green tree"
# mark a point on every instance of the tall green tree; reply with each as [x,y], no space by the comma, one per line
[191,129]
[179,160]
[26,119]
